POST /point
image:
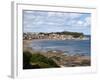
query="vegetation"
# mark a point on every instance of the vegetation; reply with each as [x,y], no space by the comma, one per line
[34,60]
[37,60]
[43,61]
[26,59]
[56,58]
[74,34]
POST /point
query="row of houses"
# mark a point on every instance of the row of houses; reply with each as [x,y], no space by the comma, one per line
[53,36]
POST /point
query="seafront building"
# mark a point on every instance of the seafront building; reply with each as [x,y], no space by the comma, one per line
[52,36]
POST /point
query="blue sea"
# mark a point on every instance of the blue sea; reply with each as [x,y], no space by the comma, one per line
[70,47]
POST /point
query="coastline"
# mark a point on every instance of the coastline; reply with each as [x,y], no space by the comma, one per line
[64,35]
[59,57]
[27,42]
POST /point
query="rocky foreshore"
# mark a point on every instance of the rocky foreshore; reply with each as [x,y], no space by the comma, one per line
[61,59]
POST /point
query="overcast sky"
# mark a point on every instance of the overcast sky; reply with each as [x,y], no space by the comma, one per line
[46,21]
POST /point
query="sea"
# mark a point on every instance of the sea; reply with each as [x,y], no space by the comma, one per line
[69,47]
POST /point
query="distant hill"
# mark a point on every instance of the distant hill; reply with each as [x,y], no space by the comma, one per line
[54,35]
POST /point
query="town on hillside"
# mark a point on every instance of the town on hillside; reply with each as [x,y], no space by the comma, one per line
[65,35]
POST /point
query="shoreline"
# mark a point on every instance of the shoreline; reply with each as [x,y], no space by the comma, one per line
[63,60]
[26,45]
[54,39]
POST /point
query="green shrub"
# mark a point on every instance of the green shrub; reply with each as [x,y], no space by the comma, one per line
[56,58]
[26,59]
[36,60]
[43,61]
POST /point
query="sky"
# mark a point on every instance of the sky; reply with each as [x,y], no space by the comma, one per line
[46,21]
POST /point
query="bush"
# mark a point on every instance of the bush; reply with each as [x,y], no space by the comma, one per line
[26,59]
[43,61]
[38,60]
[56,58]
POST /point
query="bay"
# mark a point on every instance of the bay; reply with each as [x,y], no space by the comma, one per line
[70,47]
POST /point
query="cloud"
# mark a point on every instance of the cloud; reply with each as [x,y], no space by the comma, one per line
[75,15]
[87,21]
[28,12]
[38,21]
[79,22]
